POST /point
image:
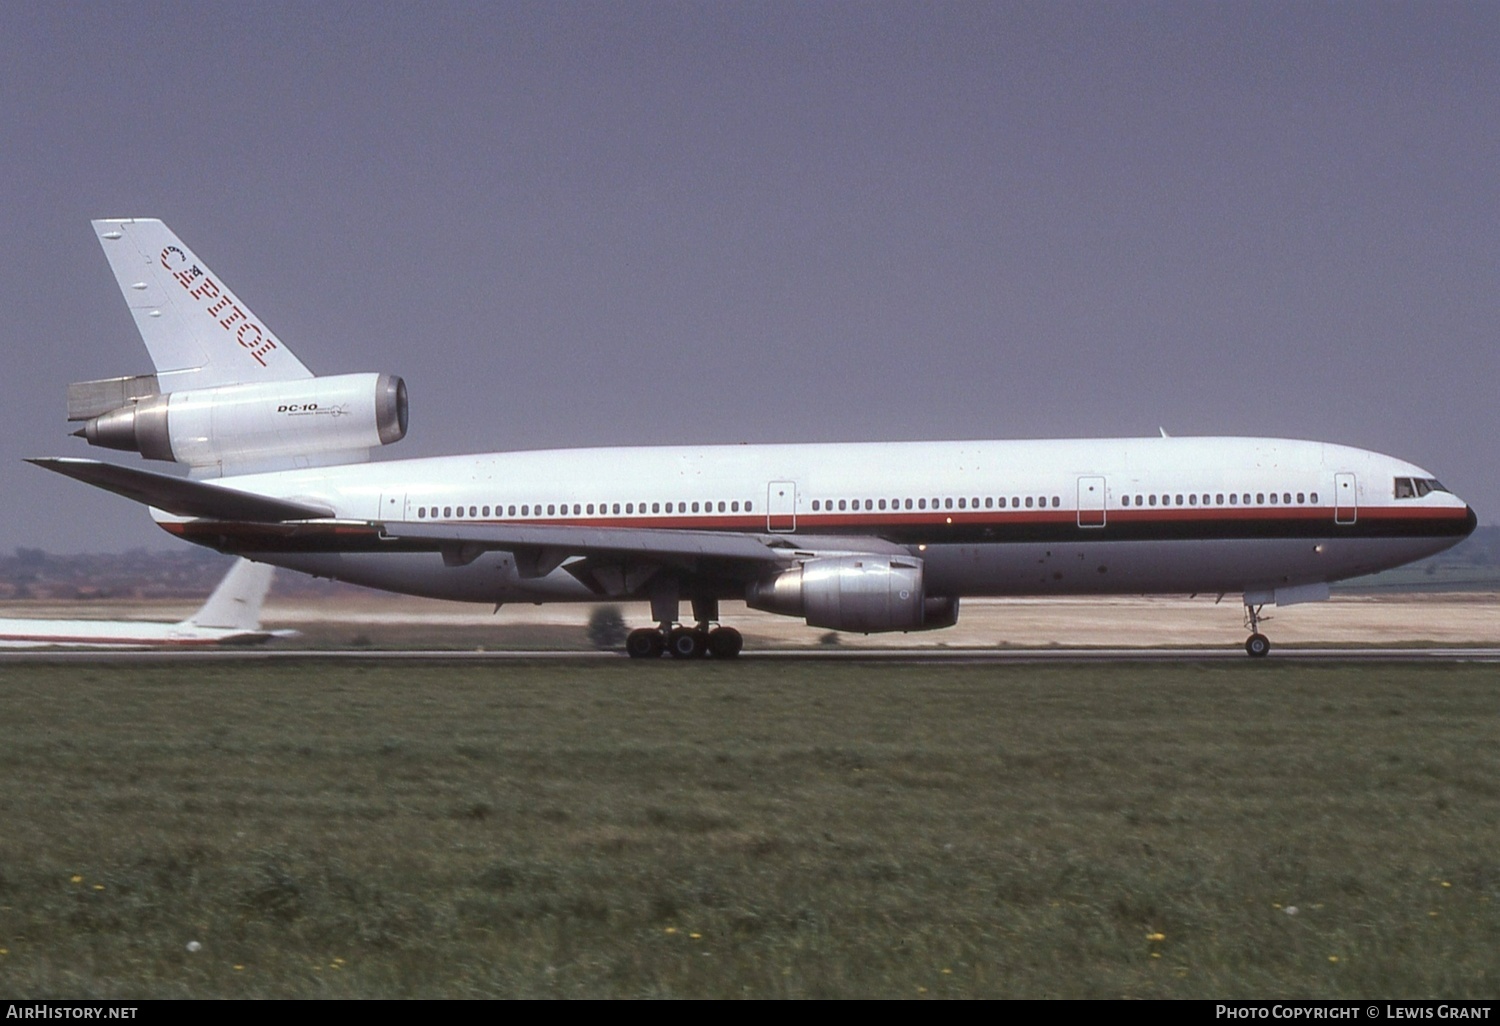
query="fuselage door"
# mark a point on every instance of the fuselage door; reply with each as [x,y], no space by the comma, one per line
[781,507]
[1345,504]
[1091,502]
[392,508]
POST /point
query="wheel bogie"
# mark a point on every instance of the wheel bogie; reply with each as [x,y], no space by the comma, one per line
[1258,646]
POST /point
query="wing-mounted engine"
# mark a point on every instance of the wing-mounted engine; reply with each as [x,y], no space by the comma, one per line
[241,428]
[866,593]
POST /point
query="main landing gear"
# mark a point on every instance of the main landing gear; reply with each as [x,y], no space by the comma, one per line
[1257,646]
[683,642]
[678,640]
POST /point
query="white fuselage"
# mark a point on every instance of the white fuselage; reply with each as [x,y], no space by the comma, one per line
[1152,515]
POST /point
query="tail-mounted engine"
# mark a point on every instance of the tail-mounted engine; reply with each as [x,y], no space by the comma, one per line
[320,419]
[869,594]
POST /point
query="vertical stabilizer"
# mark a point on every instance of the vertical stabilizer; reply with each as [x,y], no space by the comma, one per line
[198,332]
[235,603]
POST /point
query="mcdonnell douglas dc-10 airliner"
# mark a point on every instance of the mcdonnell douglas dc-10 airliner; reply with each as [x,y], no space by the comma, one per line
[851,537]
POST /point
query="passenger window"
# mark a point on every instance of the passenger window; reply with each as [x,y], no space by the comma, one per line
[963,503]
[551,509]
[1313,498]
[1138,500]
[1300,499]
[1273,498]
[1219,499]
[908,504]
[1028,502]
[1260,498]
[630,507]
[921,504]
[1124,500]
[512,511]
[974,502]
[947,503]
[869,504]
[1233,499]
[815,505]
[734,507]
[1151,499]
[421,512]
[1192,500]
[1286,498]
[447,511]
[882,504]
[695,507]
[842,503]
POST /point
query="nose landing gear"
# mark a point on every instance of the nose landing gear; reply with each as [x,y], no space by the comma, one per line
[1257,646]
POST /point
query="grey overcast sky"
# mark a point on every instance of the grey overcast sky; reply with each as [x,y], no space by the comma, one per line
[635,223]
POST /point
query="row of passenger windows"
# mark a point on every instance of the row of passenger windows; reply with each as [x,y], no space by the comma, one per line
[1218,499]
[845,505]
[579,509]
[989,502]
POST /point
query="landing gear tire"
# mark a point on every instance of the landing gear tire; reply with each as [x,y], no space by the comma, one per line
[686,643]
[1258,646]
[644,643]
[725,642]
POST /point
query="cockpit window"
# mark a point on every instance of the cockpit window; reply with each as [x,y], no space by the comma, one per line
[1416,487]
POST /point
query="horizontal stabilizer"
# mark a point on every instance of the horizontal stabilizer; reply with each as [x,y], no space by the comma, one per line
[181,496]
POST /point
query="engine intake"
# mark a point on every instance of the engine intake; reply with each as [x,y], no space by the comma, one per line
[313,417]
[869,594]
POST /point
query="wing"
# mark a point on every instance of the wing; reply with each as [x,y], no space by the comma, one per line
[614,561]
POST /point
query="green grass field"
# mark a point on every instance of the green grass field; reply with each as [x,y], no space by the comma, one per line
[765,829]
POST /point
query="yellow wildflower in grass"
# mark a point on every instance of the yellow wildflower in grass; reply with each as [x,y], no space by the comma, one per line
[1333,958]
[76,879]
[1156,936]
[947,972]
[98,887]
[239,968]
[1447,884]
[670,929]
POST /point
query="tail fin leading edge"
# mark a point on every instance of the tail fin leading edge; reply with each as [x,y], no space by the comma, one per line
[198,333]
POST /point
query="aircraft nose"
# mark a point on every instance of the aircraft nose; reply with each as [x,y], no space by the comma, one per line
[1471,521]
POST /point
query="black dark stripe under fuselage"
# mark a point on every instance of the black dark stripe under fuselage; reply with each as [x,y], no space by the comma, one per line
[958,528]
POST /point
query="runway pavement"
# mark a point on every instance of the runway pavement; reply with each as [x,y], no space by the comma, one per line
[930,656]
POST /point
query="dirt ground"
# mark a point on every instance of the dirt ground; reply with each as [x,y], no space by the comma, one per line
[1446,619]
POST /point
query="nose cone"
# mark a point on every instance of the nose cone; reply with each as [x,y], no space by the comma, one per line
[1471,521]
